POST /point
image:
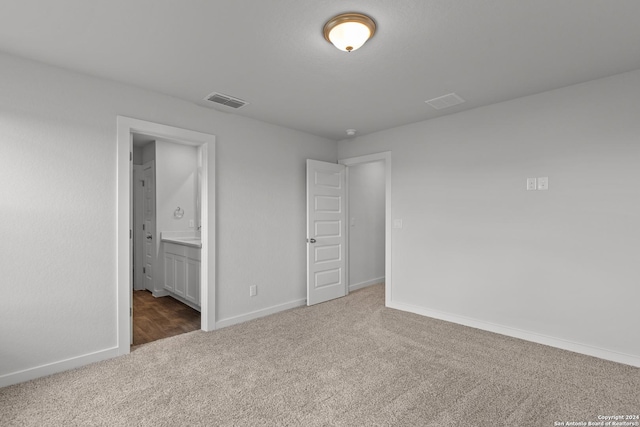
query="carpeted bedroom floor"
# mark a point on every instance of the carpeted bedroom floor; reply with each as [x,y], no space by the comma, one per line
[347,362]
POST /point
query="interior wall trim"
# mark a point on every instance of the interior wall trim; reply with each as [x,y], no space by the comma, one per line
[601,353]
[356,286]
[55,367]
[230,321]
[125,127]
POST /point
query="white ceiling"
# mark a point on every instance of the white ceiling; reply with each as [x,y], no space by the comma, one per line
[272,54]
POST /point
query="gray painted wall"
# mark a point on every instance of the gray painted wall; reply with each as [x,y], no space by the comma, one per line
[560,263]
[58,208]
[475,244]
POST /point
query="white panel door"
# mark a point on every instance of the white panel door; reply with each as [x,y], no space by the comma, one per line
[326,228]
[138,233]
[149,225]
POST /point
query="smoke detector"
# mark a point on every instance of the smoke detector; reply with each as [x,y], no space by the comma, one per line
[225,100]
[351,132]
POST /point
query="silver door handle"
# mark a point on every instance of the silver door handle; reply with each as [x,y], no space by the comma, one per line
[311,240]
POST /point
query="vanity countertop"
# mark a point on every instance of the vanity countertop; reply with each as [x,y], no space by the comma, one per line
[193,241]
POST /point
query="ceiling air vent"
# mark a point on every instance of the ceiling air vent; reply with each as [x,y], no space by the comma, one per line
[226,100]
[445,101]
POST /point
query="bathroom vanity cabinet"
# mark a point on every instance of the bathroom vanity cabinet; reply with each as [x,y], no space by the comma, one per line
[182,272]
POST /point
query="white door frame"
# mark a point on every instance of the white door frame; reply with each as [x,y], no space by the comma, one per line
[126,126]
[385,157]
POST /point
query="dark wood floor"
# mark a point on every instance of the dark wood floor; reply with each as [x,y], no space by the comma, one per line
[156,318]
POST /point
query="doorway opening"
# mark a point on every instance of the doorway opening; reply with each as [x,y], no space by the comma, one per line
[166,174]
[365,224]
[328,224]
[183,266]
[368,182]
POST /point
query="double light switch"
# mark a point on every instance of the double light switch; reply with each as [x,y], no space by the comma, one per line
[541,183]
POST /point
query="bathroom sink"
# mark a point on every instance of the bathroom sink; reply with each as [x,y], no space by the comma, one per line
[195,242]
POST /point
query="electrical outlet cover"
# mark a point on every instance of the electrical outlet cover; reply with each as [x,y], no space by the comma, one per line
[543,183]
[531,184]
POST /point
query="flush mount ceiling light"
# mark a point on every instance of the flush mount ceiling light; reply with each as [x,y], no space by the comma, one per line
[349,31]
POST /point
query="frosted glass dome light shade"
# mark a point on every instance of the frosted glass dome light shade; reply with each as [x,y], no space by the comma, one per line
[349,31]
[349,36]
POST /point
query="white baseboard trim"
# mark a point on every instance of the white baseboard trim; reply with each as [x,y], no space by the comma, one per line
[366,283]
[560,343]
[223,323]
[55,367]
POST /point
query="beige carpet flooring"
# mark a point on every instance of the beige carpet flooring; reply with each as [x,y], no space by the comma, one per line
[348,362]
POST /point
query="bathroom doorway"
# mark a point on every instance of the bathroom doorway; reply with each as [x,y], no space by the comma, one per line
[166,174]
[205,194]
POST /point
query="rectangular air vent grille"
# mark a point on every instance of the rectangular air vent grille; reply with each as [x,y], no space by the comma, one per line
[226,100]
[445,101]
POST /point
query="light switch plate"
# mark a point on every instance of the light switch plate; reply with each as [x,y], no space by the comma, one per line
[397,223]
[543,183]
[531,184]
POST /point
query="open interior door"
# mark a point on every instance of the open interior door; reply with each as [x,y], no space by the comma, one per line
[149,225]
[326,231]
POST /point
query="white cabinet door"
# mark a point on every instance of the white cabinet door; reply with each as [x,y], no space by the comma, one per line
[193,281]
[169,272]
[181,275]
[182,272]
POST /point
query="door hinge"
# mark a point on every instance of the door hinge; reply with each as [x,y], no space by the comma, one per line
[130,233]
[143,182]
[130,311]
[142,227]
[130,156]
[144,270]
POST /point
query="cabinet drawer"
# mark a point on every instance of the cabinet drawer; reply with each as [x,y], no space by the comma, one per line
[193,253]
[172,248]
[183,251]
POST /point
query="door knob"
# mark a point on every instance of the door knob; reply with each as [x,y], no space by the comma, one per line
[312,240]
[149,237]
